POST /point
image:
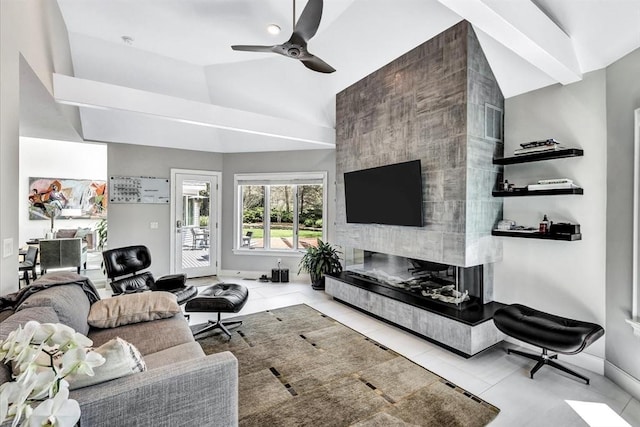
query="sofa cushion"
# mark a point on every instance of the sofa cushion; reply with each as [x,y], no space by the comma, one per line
[121,359]
[172,355]
[11,323]
[68,301]
[5,313]
[148,337]
[133,308]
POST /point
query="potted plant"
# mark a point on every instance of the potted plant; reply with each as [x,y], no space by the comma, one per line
[101,228]
[318,261]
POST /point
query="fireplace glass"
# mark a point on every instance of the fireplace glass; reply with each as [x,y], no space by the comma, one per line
[444,284]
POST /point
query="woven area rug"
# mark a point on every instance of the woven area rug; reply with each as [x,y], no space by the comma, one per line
[298,367]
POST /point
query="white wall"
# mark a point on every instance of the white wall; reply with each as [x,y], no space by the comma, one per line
[564,278]
[35,30]
[47,158]
[129,224]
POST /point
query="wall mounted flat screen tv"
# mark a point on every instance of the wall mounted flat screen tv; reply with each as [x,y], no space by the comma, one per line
[385,195]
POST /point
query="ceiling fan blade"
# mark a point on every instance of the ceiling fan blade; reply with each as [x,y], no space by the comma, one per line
[309,20]
[253,48]
[316,64]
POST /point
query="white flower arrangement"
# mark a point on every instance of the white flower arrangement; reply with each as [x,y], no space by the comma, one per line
[44,355]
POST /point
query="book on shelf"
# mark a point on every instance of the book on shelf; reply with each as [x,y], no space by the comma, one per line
[539,143]
[538,187]
[539,149]
[555,181]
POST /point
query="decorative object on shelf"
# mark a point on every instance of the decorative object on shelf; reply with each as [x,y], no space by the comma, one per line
[506,224]
[43,355]
[320,260]
[544,225]
[538,147]
[552,184]
[564,228]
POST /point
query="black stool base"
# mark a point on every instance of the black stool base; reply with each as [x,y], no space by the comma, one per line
[219,324]
[545,359]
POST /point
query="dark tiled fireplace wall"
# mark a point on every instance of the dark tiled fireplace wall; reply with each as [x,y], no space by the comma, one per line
[428,104]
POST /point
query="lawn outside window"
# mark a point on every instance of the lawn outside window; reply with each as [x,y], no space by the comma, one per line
[279,212]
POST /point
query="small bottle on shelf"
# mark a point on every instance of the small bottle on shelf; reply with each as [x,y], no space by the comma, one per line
[544,225]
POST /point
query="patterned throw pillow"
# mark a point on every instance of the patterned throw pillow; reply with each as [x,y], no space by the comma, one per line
[122,359]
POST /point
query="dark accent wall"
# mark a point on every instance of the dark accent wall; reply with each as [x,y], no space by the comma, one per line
[428,104]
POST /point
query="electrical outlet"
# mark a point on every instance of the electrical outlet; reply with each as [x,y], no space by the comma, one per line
[279,260]
[153,225]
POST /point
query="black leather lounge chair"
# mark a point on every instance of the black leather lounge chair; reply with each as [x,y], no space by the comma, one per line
[124,269]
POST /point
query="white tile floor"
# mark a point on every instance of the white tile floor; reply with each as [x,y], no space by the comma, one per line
[494,376]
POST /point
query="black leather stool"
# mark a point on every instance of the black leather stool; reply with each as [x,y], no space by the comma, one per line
[555,333]
[220,298]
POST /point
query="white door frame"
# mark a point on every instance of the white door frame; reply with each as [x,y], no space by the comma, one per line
[218,207]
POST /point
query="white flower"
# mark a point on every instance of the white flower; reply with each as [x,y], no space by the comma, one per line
[79,361]
[42,356]
[59,411]
[44,384]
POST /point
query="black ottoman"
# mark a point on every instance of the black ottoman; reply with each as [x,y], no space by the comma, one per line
[219,298]
[550,332]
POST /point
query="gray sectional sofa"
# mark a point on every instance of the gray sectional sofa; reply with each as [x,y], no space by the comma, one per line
[181,386]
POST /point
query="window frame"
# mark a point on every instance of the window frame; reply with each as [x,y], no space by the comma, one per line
[268,179]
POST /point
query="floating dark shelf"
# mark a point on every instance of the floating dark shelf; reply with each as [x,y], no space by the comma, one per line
[567,237]
[554,192]
[534,157]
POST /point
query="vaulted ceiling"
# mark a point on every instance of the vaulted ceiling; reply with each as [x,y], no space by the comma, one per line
[177,83]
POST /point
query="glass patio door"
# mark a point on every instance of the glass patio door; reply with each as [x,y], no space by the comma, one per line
[195,224]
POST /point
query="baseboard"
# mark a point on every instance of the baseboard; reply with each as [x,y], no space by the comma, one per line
[251,275]
[255,275]
[627,382]
[582,360]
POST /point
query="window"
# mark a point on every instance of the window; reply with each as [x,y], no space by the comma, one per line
[280,211]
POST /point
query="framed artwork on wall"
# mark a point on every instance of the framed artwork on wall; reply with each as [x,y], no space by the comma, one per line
[68,198]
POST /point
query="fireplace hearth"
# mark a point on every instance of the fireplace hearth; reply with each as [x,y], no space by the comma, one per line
[448,305]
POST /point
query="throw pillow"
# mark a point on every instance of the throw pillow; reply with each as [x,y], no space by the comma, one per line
[65,233]
[121,359]
[132,308]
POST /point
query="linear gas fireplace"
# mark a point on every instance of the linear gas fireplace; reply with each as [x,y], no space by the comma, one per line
[449,305]
[448,285]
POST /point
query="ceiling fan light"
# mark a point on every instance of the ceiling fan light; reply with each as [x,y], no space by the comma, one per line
[273,29]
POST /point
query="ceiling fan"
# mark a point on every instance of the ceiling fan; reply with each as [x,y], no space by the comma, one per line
[296,46]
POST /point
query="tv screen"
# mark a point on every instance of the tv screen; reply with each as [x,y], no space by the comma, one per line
[385,195]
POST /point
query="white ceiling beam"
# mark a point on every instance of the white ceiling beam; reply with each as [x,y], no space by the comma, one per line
[522,27]
[93,94]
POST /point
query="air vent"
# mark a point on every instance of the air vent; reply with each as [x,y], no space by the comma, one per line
[493,125]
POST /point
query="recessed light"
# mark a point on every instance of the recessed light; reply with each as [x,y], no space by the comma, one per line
[273,29]
[127,40]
